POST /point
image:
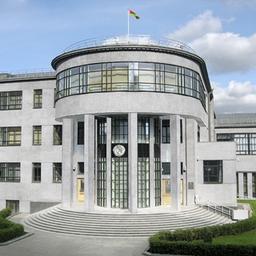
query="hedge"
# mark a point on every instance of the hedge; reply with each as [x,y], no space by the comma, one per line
[199,248]
[8,229]
[198,241]
[208,233]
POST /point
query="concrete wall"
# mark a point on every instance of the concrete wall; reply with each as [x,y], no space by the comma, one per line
[26,154]
[225,193]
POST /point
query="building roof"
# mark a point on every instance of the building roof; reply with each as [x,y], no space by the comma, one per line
[7,77]
[235,120]
[134,44]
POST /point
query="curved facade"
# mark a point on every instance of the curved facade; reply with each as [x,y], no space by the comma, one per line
[121,96]
[120,126]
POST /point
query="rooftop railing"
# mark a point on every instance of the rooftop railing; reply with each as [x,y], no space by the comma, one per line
[23,74]
[131,40]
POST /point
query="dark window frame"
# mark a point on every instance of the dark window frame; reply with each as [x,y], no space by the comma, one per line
[9,172]
[57,134]
[57,172]
[36,172]
[213,171]
[37,98]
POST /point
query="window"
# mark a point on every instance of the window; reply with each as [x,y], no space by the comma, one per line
[57,172]
[130,76]
[166,168]
[57,135]
[9,172]
[166,131]
[14,205]
[254,184]
[10,100]
[80,167]
[245,185]
[36,172]
[80,133]
[181,131]
[213,171]
[198,133]
[245,142]
[38,98]
[37,135]
[10,136]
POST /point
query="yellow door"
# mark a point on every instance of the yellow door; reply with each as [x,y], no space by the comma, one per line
[166,192]
[80,190]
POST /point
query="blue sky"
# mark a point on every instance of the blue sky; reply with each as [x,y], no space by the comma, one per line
[32,32]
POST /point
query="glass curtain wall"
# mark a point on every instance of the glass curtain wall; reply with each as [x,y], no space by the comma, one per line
[157,160]
[119,170]
[143,172]
[130,76]
[101,163]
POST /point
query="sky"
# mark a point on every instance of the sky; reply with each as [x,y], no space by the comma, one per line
[222,32]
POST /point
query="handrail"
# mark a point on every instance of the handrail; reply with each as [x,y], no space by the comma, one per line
[125,40]
[219,209]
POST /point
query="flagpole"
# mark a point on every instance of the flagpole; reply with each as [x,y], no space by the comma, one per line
[128,26]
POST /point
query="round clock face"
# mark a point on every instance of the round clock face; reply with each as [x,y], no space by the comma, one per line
[119,150]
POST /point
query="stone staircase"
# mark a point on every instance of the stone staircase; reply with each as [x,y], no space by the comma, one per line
[57,219]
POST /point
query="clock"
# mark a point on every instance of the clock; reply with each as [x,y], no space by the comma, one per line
[119,150]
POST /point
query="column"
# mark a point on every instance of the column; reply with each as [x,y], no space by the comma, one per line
[89,162]
[133,159]
[190,151]
[109,164]
[152,163]
[241,184]
[249,184]
[67,162]
[175,161]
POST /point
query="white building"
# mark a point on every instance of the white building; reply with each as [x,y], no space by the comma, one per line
[125,125]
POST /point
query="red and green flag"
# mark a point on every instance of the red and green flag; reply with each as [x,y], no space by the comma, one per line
[134,14]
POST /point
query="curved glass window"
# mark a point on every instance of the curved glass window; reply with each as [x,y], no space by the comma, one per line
[130,76]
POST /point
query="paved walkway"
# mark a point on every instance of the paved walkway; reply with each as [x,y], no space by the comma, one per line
[51,244]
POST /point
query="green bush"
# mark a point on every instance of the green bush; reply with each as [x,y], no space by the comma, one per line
[208,233]
[10,232]
[8,229]
[199,248]
[5,213]
[198,241]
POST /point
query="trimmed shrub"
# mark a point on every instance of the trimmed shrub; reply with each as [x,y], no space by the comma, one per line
[198,241]
[5,213]
[8,229]
[12,231]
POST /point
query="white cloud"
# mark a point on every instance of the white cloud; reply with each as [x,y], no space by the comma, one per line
[223,51]
[227,52]
[236,97]
[197,27]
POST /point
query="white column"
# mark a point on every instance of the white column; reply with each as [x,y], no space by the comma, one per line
[152,163]
[89,162]
[190,151]
[67,162]
[249,184]
[108,155]
[175,161]
[241,184]
[133,159]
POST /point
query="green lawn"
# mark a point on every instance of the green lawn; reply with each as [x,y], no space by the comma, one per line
[247,238]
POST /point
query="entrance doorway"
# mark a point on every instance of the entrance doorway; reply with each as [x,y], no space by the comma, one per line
[166,192]
[80,190]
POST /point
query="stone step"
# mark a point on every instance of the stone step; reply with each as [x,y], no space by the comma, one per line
[56,219]
[128,223]
[114,217]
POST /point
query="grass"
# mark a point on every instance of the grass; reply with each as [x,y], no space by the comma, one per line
[247,238]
